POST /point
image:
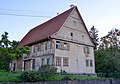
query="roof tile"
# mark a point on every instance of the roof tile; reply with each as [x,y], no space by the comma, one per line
[46,29]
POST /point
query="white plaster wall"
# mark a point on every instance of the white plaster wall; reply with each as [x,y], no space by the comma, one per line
[77,59]
[78,30]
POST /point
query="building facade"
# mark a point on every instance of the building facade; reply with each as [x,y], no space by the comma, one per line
[63,42]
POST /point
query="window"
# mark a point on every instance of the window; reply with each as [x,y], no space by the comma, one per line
[65,61]
[43,61]
[82,37]
[74,23]
[37,47]
[33,64]
[87,62]
[58,45]
[65,46]
[86,50]
[42,46]
[91,63]
[48,61]
[71,34]
[48,45]
[58,61]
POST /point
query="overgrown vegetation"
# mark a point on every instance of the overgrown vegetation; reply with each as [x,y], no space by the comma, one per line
[35,76]
[9,51]
[45,73]
[107,53]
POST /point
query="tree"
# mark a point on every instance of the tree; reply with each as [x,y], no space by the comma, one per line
[94,35]
[111,39]
[9,51]
[107,57]
[107,60]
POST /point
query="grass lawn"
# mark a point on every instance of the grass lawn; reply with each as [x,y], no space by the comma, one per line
[9,76]
[15,77]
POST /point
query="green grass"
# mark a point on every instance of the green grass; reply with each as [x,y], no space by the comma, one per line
[9,76]
[15,77]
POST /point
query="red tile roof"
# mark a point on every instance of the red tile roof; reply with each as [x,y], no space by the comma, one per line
[46,29]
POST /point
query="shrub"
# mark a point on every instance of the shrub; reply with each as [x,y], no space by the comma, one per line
[47,72]
[31,76]
[66,78]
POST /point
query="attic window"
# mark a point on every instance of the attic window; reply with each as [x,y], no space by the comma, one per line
[82,37]
[74,23]
[71,34]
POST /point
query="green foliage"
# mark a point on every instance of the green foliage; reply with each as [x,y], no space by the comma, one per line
[31,76]
[10,76]
[94,35]
[45,73]
[9,51]
[109,75]
[35,76]
[66,78]
[107,60]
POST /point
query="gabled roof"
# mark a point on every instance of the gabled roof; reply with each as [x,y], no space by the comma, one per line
[46,29]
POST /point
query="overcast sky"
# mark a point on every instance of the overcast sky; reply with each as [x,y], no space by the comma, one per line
[17,17]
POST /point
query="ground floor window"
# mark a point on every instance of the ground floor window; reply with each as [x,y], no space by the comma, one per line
[33,64]
[89,63]
[65,61]
[58,61]
[48,61]
[42,61]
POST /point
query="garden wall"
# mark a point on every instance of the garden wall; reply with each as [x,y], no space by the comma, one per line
[72,82]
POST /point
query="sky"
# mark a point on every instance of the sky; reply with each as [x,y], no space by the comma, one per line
[17,17]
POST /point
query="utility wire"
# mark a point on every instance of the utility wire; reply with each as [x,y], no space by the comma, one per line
[23,15]
[22,10]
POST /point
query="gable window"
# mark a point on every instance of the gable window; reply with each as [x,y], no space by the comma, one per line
[71,34]
[87,62]
[58,61]
[65,61]
[74,23]
[58,45]
[86,50]
[82,37]
[91,63]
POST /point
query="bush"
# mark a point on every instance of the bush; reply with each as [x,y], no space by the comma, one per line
[31,76]
[66,78]
[45,73]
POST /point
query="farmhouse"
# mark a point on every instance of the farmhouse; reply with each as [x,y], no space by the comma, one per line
[63,42]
